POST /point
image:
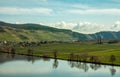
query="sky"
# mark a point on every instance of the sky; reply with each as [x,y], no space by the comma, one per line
[84,16]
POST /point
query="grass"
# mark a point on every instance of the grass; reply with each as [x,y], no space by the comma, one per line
[103,52]
[13,34]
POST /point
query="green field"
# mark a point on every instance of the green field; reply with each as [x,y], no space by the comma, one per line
[80,51]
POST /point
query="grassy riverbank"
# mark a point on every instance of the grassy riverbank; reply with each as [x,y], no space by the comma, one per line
[105,53]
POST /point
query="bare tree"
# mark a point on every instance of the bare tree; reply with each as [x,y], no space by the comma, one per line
[95,59]
[91,58]
[46,55]
[12,50]
[71,56]
[77,57]
[30,52]
[85,56]
[55,54]
[112,58]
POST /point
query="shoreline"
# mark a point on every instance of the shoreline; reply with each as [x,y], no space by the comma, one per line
[63,59]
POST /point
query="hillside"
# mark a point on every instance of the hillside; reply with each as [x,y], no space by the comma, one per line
[36,32]
[13,34]
[31,32]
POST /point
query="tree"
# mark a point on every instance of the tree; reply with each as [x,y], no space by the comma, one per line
[95,59]
[77,57]
[71,56]
[45,55]
[85,56]
[92,58]
[55,54]
[112,58]
[30,52]
[12,50]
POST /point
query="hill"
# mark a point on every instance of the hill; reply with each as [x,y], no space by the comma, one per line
[36,32]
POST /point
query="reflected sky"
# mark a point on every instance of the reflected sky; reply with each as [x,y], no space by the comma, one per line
[41,68]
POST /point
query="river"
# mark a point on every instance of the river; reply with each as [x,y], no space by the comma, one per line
[27,66]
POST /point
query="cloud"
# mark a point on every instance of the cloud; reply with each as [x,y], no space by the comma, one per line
[63,25]
[17,22]
[82,27]
[116,26]
[12,10]
[95,11]
[87,27]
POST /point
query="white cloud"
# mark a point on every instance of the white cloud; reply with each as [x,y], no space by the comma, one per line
[17,22]
[87,27]
[63,25]
[12,10]
[95,11]
[116,26]
[82,27]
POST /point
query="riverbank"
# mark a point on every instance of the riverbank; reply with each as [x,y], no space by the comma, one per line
[63,59]
[108,54]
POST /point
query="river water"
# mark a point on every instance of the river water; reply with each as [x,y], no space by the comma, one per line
[27,66]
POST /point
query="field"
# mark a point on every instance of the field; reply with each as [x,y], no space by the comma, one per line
[95,53]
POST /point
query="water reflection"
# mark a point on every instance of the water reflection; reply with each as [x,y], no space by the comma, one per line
[55,64]
[78,65]
[59,65]
[86,66]
[45,59]
[95,66]
[113,71]
[9,56]
[30,58]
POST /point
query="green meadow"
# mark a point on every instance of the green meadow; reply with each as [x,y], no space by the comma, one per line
[101,53]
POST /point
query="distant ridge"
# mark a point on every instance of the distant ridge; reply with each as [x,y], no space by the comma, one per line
[36,32]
